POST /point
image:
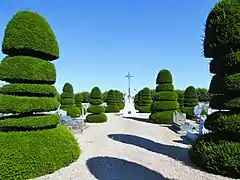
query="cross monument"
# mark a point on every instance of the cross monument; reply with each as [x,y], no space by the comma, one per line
[129,76]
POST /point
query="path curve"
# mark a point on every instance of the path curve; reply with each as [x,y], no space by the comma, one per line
[130,149]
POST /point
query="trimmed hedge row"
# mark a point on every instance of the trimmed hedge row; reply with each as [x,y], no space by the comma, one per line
[25,69]
[27,155]
[29,34]
[39,90]
[14,104]
[96,118]
[29,123]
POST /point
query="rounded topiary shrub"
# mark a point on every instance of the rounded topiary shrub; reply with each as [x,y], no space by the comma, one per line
[32,141]
[190,101]
[165,99]
[112,106]
[180,99]
[96,109]
[146,101]
[73,111]
[67,97]
[78,101]
[219,151]
[136,98]
[119,98]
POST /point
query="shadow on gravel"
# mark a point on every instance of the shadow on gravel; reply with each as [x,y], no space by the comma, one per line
[183,140]
[175,152]
[138,119]
[111,168]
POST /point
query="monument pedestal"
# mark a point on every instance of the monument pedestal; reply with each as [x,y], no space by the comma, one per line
[129,109]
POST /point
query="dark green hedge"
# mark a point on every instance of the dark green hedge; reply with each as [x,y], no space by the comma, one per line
[29,34]
[158,106]
[221,30]
[95,109]
[217,84]
[25,69]
[39,90]
[144,109]
[226,122]
[166,95]
[165,87]
[96,93]
[26,155]
[180,99]
[78,100]
[14,104]
[164,76]
[190,97]
[112,109]
[189,111]
[73,111]
[164,117]
[96,101]
[67,88]
[96,118]
[216,155]
[67,97]
[29,123]
[165,99]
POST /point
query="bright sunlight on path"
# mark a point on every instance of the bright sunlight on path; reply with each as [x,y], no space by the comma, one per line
[130,149]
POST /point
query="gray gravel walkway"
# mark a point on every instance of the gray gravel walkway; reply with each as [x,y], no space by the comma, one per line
[130,149]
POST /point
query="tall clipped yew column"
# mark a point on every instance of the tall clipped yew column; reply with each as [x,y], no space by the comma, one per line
[165,99]
[112,102]
[146,100]
[219,151]
[67,97]
[35,143]
[190,101]
[96,109]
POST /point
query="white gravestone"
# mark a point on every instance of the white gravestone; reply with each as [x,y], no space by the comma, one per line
[129,109]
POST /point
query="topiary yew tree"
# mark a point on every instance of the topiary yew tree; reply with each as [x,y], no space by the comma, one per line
[68,101]
[180,99]
[165,99]
[190,101]
[96,107]
[219,151]
[146,100]
[32,143]
[112,106]
[67,97]
[78,100]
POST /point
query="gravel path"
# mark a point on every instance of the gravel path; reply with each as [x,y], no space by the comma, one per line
[130,149]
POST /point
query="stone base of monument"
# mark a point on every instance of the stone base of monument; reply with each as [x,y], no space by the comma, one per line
[129,110]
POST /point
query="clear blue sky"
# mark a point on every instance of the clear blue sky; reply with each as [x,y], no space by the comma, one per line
[101,40]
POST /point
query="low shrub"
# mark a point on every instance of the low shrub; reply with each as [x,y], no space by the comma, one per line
[95,109]
[216,156]
[26,155]
[96,118]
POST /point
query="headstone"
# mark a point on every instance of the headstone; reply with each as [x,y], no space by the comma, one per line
[179,124]
[62,112]
[129,109]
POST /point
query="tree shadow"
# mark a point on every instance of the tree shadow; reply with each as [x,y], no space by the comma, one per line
[111,168]
[175,152]
[184,140]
